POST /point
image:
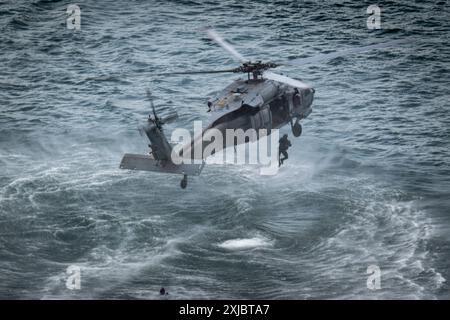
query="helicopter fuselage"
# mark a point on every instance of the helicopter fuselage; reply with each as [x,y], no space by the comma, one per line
[254,104]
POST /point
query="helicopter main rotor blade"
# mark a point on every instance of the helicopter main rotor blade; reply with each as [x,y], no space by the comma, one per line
[197,72]
[283,79]
[228,47]
[329,56]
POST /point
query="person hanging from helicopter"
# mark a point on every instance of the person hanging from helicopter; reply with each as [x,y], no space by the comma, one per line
[284,145]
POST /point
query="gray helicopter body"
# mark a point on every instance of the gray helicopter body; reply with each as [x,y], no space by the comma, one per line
[244,104]
[259,104]
[254,104]
[265,100]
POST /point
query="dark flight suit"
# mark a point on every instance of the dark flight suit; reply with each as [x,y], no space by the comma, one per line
[283,147]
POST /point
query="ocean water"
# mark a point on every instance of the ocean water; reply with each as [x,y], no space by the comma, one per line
[368,183]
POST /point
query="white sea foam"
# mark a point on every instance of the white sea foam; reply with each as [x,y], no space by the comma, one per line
[245,244]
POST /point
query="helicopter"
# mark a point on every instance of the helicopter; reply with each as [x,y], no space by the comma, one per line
[261,100]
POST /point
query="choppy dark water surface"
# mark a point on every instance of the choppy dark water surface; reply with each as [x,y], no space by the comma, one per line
[367,183]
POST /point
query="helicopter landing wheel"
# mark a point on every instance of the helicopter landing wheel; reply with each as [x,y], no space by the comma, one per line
[183,183]
[297,129]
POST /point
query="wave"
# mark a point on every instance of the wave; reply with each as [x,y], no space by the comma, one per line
[245,244]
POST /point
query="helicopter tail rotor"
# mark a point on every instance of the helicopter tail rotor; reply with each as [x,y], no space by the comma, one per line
[150,98]
[158,121]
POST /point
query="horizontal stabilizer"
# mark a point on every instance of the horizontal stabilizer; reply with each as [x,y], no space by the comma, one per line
[148,163]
